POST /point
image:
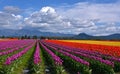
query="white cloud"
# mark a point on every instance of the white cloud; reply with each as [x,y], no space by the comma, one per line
[17,17]
[12,9]
[91,18]
[111,28]
[48,10]
[103,12]
[10,21]
[47,19]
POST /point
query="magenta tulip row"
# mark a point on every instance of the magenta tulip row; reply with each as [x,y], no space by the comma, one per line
[19,54]
[12,44]
[81,53]
[77,59]
[88,52]
[14,49]
[56,59]
[37,59]
[89,56]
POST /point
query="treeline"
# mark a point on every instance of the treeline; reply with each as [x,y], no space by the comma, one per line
[35,37]
[55,38]
[60,38]
[19,37]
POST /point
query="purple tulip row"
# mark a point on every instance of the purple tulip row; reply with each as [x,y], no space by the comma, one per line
[88,52]
[74,57]
[97,54]
[37,54]
[18,55]
[96,58]
[16,48]
[56,59]
[12,44]
[73,51]
[7,44]
[89,56]
[77,59]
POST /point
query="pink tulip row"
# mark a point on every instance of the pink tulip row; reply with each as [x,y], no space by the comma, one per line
[13,49]
[7,44]
[56,59]
[13,44]
[83,53]
[18,55]
[77,59]
[37,54]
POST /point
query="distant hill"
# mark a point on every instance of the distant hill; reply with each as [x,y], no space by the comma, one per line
[110,37]
[86,36]
[12,33]
[22,32]
[82,36]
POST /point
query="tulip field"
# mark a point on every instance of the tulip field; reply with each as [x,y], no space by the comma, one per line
[33,56]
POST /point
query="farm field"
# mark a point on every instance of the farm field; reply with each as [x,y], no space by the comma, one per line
[1,40]
[110,43]
[58,57]
[59,36]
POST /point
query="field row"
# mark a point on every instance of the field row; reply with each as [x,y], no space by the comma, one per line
[109,43]
[49,57]
[104,49]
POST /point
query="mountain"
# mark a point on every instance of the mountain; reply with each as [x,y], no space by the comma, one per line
[12,33]
[82,36]
[111,37]
[86,36]
[22,32]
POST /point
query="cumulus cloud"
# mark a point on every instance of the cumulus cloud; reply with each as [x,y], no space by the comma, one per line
[102,12]
[10,21]
[91,18]
[81,17]
[47,19]
[12,9]
[10,18]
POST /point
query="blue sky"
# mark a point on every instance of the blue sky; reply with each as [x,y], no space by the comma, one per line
[40,3]
[95,17]
[36,3]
